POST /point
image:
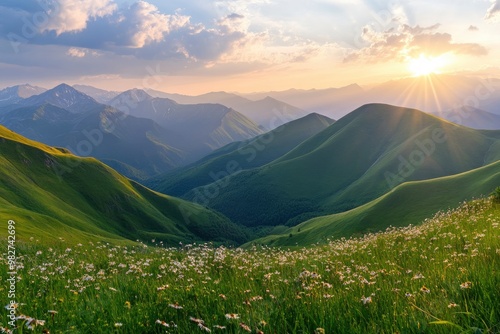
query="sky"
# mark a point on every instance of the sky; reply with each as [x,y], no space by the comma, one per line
[198,46]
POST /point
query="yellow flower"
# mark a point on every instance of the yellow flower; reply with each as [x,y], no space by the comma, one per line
[127,304]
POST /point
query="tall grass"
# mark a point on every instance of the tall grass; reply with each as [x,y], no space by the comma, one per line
[440,277]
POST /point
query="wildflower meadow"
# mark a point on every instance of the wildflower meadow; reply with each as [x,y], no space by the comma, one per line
[442,276]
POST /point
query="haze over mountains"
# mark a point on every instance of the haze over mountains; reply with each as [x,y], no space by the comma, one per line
[261,165]
[138,147]
[200,128]
[357,159]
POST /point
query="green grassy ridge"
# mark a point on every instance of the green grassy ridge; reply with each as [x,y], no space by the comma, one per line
[242,155]
[60,195]
[352,162]
[408,203]
[439,277]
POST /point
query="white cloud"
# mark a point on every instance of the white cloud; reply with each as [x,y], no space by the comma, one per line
[81,52]
[73,15]
[148,25]
[76,52]
[493,12]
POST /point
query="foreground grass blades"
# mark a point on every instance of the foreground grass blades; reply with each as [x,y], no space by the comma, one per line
[440,277]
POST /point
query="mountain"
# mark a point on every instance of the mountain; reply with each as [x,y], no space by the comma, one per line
[228,99]
[15,94]
[355,160]
[332,102]
[471,117]
[239,156]
[100,95]
[199,128]
[270,113]
[51,193]
[63,96]
[407,204]
[431,93]
[136,147]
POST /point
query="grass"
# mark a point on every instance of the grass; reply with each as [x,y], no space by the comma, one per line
[439,277]
[56,194]
[408,203]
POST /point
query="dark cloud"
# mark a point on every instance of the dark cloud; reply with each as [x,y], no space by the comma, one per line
[235,16]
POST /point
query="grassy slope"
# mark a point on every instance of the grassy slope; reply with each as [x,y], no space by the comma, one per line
[409,203]
[347,164]
[441,277]
[52,193]
[243,155]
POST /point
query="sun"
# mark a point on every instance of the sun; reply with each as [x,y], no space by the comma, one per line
[425,65]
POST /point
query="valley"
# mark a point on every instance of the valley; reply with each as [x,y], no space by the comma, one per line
[155,178]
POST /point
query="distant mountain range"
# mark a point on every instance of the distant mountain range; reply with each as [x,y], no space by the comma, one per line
[471,117]
[268,112]
[14,94]
[353,161]
[138,147]
[432,94]
[100,95]
[200,128]
[52,193]
[63,96]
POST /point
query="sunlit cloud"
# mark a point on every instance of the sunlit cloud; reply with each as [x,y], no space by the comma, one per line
[146,24]
[73,15]
[407,41]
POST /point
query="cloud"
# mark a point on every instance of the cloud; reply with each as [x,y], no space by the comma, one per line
[80,53]
[493,13]
[473,28]
[146,24]
[73,15]
[406,41]
[75,52]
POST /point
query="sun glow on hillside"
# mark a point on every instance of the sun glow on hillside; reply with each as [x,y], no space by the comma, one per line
[425,65]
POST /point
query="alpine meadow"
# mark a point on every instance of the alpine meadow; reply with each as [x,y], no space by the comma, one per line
[239,166]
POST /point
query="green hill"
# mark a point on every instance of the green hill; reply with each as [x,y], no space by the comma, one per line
[408,203]
[357,159]
[242,155]
[51,193]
